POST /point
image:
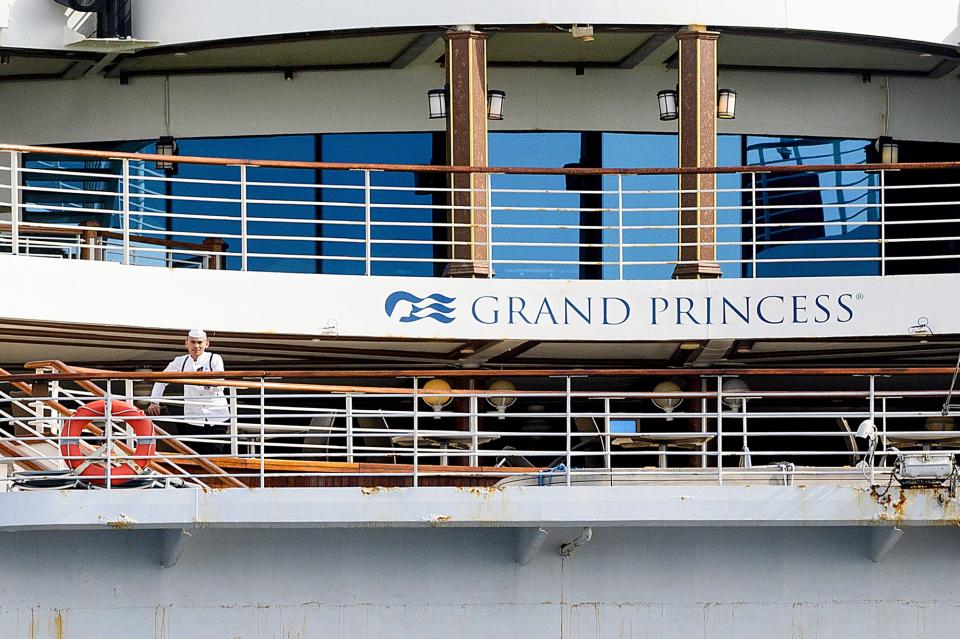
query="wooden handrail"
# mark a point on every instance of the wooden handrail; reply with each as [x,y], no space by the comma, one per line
[142,239]
[39,228]
[295,465]
[91,373]
[421,168]
[97,432]
[180,447]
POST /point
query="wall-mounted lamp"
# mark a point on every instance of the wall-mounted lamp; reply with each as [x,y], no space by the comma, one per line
[726,104]
[495,98]
[734,385]
[4,58]
[583,33]
[669,103]
[288,75]
[889,150]
[437,399]
[166,145]
[437,103]
[505,401]
[667,404]
[669,108]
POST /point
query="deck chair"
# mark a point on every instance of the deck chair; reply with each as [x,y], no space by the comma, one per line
[513,461]
[849,441]
[317,443]
[591,440]
[369,440]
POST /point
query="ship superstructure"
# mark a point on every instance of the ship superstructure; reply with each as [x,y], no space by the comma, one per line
[547,319]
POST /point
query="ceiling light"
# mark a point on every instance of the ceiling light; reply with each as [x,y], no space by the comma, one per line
[689,346]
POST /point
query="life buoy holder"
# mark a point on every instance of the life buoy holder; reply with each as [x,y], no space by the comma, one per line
[84,466]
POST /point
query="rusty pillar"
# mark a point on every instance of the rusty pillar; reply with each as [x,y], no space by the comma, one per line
[698,148]
[466,62]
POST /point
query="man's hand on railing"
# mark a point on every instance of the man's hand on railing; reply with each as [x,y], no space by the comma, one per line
[153,409]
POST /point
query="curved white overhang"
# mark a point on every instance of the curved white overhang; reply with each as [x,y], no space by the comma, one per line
[39,23]
[110,294]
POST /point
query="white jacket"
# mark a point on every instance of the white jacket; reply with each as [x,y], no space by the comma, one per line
[201,404]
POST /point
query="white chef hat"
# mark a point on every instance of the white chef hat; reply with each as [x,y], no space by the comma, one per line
[197,333]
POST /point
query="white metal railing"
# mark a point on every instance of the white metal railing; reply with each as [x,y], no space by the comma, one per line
[376,219]
[556,429]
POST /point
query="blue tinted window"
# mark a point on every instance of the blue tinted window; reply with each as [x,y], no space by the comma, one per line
[830,216]
[407,211]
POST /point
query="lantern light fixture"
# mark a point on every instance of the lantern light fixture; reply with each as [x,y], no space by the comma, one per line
[726,104]
[668,101]
[889,150]
[495,98]
[669,108]
[167,145]
[438,103]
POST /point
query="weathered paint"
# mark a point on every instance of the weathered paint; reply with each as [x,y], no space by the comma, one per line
[656,582]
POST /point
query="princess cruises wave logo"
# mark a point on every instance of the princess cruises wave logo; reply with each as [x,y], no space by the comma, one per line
[411,308]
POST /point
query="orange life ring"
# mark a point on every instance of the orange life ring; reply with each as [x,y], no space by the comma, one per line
[81,418]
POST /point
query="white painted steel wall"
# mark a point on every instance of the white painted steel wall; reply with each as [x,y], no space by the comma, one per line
[303,304]
[668,582]
[96,109]
[38,23]
[439,562]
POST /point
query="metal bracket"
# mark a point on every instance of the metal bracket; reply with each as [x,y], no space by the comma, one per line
[172,543]
[529,541]
[882,541]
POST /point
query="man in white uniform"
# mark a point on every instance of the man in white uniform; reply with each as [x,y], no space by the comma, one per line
[205,408]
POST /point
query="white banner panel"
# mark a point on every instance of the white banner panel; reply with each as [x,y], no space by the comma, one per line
[111,294]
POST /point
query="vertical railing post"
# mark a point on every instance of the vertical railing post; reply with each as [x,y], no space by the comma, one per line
[416,429]
[348,407]
[14,202]
[720,430]
[883,223]
[620,225]
[367,235]
[263,433]
[108,432]
[243,217]
[474,421]
[125,213]
[873,414]
[753,224]
[607,455]
[489,221]
[569,405]
[703,421]
[234,423]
